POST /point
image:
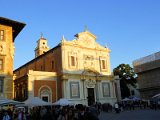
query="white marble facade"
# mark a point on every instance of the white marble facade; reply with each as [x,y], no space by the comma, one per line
[86,71]
[77,91]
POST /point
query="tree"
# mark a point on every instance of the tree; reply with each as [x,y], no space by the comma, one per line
[127,77]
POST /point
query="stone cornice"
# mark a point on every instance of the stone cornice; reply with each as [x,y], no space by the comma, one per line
[72,43]
[41,73]
[99,77]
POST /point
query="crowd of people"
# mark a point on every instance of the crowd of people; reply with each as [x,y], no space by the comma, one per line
[77,112]
[131,105]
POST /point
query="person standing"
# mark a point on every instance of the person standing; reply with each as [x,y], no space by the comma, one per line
[21,115]
[6,116]
[116,106]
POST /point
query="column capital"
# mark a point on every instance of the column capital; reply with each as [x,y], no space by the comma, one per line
[116,77]
[82,79]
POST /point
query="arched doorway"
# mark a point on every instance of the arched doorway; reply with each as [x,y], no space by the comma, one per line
[45,93]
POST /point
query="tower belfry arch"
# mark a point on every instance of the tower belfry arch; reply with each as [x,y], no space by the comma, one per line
[42,46]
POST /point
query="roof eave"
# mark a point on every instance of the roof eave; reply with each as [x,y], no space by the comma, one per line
[17,26]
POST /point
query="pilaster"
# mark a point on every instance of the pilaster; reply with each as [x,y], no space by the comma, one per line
[118,90]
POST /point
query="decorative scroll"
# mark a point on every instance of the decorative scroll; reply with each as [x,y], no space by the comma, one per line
[90,83]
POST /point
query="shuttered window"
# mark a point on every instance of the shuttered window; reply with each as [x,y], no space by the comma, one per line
[1,85]
[1,64]
[1,34]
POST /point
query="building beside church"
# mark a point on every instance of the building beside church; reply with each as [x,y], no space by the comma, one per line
[9,29]
[78,70]
[148,70]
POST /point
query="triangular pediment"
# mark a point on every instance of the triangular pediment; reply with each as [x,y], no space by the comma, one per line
[85,39]
[85,34]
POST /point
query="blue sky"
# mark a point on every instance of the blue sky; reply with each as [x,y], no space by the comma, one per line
[130,28]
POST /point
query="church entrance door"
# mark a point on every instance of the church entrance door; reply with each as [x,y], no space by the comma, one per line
[45,98]
[91,98]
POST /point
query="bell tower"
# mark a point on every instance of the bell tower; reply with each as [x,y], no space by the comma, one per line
[42,46]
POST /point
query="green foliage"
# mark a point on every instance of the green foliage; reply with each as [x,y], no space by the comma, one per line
[127,76]
[125,72]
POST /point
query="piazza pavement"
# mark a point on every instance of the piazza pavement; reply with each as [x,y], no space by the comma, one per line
[141,114]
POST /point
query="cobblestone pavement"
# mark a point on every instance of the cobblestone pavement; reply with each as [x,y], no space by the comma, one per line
[147,114]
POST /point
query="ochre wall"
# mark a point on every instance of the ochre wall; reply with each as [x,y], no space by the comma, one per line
[7,48]
[7,56]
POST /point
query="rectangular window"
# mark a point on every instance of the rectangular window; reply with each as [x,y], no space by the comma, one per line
[72,61]
[74,90]
[24,93]
[1,85]
[1,64]
[1,34]
[106,89]
[103,64]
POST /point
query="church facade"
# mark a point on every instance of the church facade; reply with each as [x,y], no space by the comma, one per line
[78,70]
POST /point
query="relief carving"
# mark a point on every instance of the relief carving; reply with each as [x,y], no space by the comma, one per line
[90,83]
[88,61]
[87,41]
